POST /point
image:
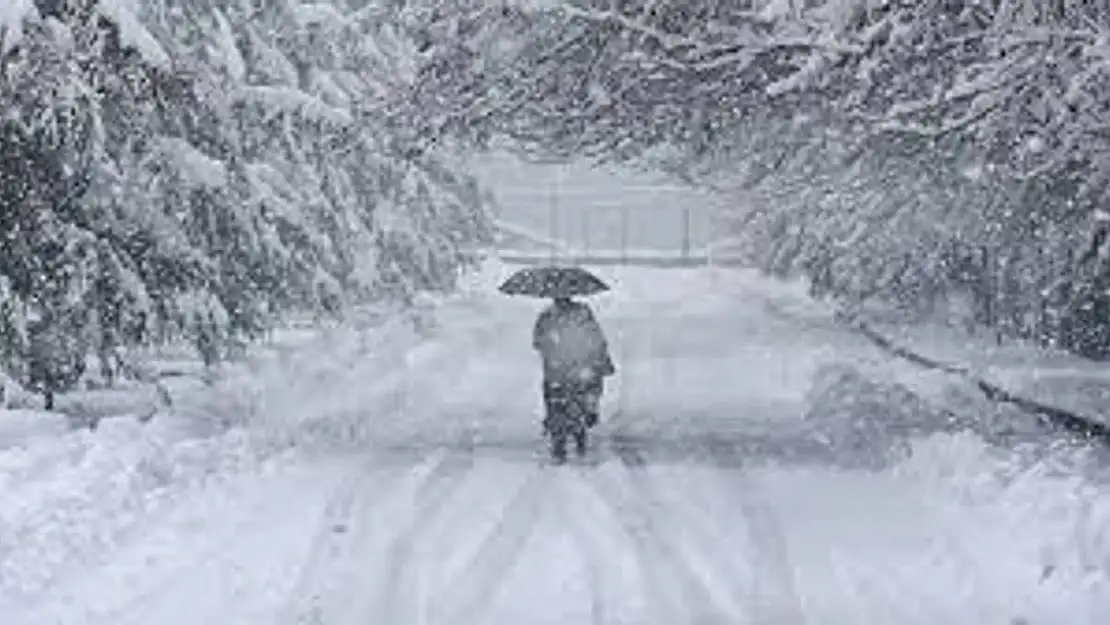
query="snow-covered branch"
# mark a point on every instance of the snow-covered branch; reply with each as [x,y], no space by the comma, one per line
[196,170]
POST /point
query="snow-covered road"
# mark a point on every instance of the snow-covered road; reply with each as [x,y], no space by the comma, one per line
[415,490]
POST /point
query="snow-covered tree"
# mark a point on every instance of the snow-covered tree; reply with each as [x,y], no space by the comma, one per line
[870,133]
[193,170]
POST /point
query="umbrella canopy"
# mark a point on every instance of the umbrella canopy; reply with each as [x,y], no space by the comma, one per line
[553,282]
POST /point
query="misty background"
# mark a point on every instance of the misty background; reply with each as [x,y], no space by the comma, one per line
[588,206]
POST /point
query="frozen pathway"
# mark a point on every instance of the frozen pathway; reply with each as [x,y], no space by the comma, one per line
[421,495]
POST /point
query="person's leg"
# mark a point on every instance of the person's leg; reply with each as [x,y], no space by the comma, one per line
[593,402]
[555,422]
[548,405]
[554,400]
[581,442]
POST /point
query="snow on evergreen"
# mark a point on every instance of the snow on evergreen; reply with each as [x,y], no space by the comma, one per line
[192,170]
[841,132]
[12,15]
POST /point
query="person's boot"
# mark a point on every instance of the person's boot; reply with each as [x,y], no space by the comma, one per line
[559,448]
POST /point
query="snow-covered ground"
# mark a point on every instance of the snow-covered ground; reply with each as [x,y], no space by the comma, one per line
[171,374]
[756,464]
[1024,368]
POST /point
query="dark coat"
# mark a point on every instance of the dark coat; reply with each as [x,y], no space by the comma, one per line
[571,343]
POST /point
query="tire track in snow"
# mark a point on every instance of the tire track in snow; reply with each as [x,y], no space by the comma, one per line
[682,592]
[153,593]
[684,521]
[153,575]
[464,597]
[656,590]
[327,545]
[770,596]
[399,599]
[334,549]
[346,528]
[600,583]
[609,590]
[334,522]
[774,594]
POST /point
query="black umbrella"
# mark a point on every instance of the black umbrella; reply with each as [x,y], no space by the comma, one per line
[553,282]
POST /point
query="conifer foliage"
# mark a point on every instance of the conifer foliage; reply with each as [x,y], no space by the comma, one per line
[894,147]
[194,169]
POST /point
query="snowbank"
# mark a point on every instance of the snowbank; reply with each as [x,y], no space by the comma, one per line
[958,532]
[22,427]
[1021,379]
[75,494]
[1045,375]
[987,468]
